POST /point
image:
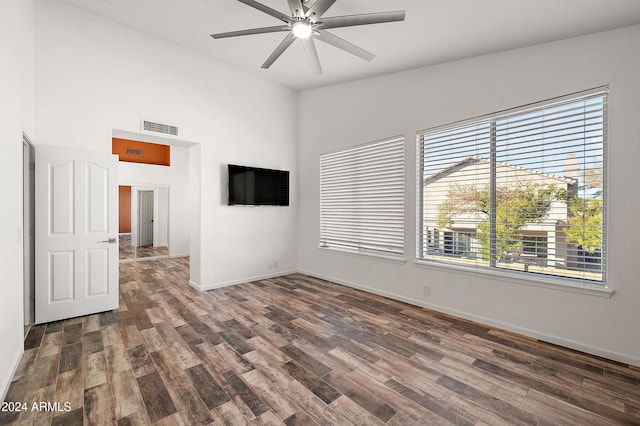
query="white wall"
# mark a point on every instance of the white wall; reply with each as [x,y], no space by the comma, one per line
[16,117]
[93,76]
[174,177]
[407,102]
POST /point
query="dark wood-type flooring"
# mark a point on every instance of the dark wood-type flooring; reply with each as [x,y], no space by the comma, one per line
[302,351]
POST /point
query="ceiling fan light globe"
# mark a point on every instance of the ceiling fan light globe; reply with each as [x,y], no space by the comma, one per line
[302,30]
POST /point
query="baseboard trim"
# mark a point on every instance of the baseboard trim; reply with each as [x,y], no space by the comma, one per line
[173,256]
[549,338]
[5,386]
[208,287]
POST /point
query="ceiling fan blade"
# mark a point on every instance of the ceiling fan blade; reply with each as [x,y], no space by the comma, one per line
[297,8]
[363,19]
[252,31]
[336,41]
[266,9]
[312,55]
[284,44]
[319,8]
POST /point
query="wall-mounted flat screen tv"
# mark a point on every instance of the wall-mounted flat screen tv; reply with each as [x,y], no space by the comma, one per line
[252,186]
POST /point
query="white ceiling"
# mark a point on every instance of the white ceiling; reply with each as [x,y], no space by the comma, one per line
[434,31]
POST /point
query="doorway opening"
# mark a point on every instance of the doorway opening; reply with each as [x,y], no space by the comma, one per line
[144,223]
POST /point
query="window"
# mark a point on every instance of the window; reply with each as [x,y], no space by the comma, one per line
[534,246]
[522,190]
[362,198]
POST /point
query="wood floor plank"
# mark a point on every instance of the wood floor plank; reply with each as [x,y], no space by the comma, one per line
[72,333]
[98,405]
[107,318]
[92,341]
[428,402]
[70,357]
[231,415]
[189,335]
[69,389]
[361,396]
[234,360]
[207,387]
[28,363]
[156,397]
[299,419]
[273,371]
[353,413]
[141,361]
[94,370]
[44,372]
[116,359]
[483,399]
[317,386]
[313,406]
[139,418]
[128,398]
[51,344]
[111,336]
[74,417]
[306,360]
[298,350]
[279,402]
[248,396]
[153,341]
[91,323]
[192,409]
[34,337]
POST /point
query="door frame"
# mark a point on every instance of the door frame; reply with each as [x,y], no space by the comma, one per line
[135,187]
[28,230]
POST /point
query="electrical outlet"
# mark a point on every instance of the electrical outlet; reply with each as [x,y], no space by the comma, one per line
[426,290]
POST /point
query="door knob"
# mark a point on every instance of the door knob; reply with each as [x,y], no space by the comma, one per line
[110,241]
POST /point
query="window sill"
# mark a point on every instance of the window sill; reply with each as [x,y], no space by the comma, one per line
[378,256]
[522,278]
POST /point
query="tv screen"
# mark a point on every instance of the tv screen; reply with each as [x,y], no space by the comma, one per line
[251,186]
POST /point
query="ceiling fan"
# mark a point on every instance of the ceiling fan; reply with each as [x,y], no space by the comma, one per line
[306,23]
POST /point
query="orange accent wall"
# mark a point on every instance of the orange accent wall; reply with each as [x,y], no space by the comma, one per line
[152,153]
[125,209]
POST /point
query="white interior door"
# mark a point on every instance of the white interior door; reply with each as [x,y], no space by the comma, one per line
[145,218]
[76,233]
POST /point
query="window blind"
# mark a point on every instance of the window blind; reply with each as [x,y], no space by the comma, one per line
[362,198]
[521,190]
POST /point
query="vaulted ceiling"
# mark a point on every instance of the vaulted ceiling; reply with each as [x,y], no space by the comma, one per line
[434,31]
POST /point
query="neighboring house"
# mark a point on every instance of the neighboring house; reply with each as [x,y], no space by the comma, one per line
[543,240]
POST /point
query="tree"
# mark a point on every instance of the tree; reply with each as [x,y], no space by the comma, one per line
[516,206]
[584,224]
[585,221]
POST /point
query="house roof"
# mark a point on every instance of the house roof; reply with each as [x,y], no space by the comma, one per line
[474,158]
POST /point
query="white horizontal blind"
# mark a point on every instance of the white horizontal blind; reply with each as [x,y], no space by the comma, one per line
[362,198]
[523,190]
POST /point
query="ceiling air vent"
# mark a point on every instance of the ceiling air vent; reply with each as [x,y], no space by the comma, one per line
[165,129]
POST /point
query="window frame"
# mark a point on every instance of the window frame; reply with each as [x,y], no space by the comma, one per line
[426,235]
